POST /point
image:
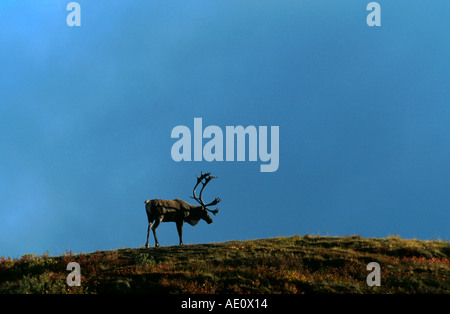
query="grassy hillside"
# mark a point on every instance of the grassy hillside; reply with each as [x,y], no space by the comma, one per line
[298,264]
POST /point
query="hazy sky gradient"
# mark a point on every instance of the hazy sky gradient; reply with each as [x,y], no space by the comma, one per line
[86,116]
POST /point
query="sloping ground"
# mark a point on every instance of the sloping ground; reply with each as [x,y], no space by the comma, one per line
[298,264]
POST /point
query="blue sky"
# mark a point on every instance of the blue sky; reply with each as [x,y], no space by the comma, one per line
[86,115]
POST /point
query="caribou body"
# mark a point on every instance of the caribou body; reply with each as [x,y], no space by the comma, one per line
[179,211]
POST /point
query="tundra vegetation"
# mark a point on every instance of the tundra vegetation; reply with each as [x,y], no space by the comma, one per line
[298,264]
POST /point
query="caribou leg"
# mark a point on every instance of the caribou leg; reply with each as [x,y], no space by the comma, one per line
[148,232]
[157,222]
[180,231]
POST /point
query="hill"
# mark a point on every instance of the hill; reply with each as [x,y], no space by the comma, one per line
[298,264]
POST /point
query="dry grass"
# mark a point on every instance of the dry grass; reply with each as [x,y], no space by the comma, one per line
[298,264]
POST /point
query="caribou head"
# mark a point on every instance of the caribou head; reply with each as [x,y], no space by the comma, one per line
[178,211]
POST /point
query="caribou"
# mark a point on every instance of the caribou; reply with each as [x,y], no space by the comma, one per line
[179,211]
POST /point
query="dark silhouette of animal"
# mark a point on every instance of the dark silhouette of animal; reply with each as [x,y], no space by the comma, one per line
[178,211]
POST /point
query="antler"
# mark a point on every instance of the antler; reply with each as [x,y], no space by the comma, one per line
[207,177]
